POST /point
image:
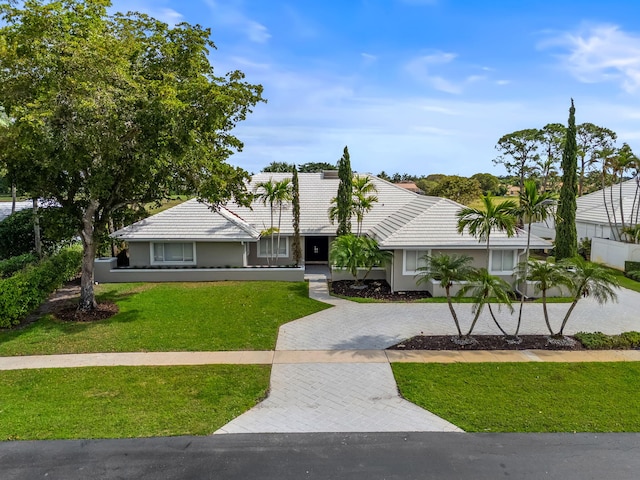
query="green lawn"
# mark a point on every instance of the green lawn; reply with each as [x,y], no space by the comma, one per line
[173,317]
[527,397]
[120,402]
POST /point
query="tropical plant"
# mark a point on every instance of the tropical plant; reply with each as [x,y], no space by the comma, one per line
[362,200]
[276,194]
[544,275]
[446,269]
[482,221]
[591,140]
[588,279]
[353,253]
[534,207]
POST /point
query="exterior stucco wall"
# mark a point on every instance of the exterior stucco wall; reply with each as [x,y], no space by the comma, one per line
[614,253]
[208,254]
[254,259]
[401,282]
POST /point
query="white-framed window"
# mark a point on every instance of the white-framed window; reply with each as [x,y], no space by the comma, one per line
[264,247]
[503,261]
[173,253]
[412,260]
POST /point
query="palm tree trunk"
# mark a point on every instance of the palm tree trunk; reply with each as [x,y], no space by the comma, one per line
[613,209]
[453,312]
[496,321]
[475,319]
[544,310]
[568,314]
[604,199]
[279,223]
[526,271]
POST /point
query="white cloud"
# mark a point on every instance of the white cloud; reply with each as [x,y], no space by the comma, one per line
[421,69]
[231,15]
[368,58]
[503,82]
[601,53]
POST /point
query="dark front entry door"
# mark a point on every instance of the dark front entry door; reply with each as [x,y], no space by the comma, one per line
[316,249]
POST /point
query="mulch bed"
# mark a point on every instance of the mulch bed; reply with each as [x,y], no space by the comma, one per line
[375,289]
[487,342]
[70,313]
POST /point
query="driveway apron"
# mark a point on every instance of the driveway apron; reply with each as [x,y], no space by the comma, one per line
[334,397]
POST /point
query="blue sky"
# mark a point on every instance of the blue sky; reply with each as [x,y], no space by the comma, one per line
[418,86]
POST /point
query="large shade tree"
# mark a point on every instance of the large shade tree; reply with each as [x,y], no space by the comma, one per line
[110,110]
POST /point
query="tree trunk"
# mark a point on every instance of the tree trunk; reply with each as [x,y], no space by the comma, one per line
[604,199]
[87,295]
[526,272]
[544,310]
[13,197]
[36,228]
[453,312]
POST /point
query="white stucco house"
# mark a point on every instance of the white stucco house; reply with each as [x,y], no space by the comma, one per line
[192,242]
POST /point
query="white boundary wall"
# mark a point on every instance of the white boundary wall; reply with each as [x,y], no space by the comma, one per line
[614,253]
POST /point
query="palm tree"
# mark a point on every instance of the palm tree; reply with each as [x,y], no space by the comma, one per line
[275,193]
[446,269]
[589,279]
[362,202]
[352,252]
[485,288]
[545,275]
[534,207]
[482,221]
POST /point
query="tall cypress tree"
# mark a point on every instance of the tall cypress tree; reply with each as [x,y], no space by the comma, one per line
[295,201]
[345,192]
[566,235]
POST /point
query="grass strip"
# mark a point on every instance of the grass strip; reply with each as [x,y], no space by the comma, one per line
[527,397]
[173,317]
[126,402]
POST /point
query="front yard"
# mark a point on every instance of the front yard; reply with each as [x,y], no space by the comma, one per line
[527,397]
[173,317]
[122,402]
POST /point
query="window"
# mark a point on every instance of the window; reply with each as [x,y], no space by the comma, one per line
[264,247]
[413,259]
[172,253]
[503,260]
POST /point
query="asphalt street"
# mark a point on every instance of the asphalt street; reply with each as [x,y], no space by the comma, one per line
[331,455]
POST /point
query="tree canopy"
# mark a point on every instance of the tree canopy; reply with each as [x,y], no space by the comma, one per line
[114,110]
[566,235]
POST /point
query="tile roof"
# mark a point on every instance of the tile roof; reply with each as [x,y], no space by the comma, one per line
[191,220]
[591,207]
[400,219]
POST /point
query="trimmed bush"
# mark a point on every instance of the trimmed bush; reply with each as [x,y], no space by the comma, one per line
[14,264]
[630,266]
[601,341]
[26,290]
[633,275]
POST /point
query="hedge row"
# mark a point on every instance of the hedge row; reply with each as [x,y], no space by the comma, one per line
[601,341]
[26,290]
[14,264]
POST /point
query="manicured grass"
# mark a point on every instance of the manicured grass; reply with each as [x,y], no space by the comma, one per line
[119,402]
[527,397]
[173,317]
[625,282]
[477,203]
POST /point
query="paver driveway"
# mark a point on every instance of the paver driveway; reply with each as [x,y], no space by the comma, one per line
[363,397]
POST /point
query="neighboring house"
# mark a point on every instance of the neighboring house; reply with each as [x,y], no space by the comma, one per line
[592,220]
[190,240]
[411,186]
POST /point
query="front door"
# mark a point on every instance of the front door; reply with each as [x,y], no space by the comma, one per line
[316,249]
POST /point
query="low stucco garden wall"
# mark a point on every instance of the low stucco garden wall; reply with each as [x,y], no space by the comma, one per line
[614,253]
[106,272]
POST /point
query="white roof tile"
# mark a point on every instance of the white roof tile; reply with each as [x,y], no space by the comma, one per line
[400,219]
